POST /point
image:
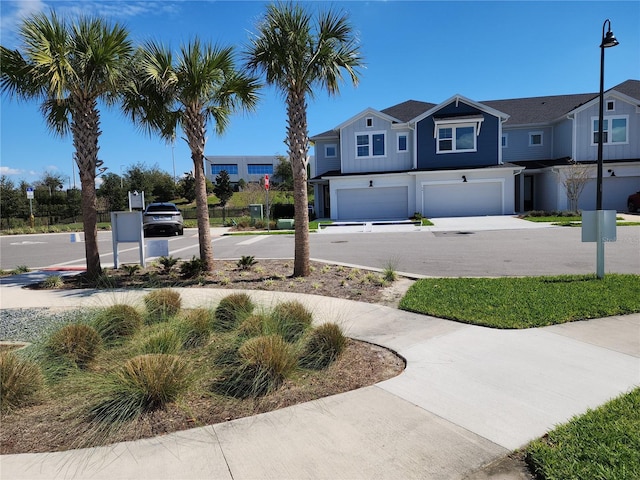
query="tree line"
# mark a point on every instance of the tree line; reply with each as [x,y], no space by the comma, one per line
[71,66]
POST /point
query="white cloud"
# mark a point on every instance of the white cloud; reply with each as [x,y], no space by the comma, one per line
[13,12]
[10,171]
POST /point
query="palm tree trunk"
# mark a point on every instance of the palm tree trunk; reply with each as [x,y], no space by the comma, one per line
[297,140]
[195,132]
[85,128]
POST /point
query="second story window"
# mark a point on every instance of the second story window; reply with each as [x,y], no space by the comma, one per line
[456,139]
[614,130]
[403,142]
[331,151]
[231,169]
[535,139]
[370,145]
[260,169]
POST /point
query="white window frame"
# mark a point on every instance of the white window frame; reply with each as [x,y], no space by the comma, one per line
[326,150]
[504,141]
[534,134]
[609,119]
[370,144]
[402,134]
[368,122]
[613,105]
[454,126]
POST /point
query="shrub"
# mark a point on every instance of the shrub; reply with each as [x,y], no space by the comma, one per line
[144,383]
[192,268]
[291,320]
[253,326]
[104,281]
[52,282]
[196,327]
[266,362]
[246,262]
[166,341]
[167,263]
[231,310]
[76,342]
[118,322]
[20,381]
[162,304]
[324,345]
[131,269]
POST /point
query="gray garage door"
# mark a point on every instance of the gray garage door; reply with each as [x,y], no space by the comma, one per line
[373,203]
[462,199]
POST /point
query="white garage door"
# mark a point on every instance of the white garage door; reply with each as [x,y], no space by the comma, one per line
[388,203]
[462,199]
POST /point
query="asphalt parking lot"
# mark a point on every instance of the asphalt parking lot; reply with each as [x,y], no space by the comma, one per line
[465,247]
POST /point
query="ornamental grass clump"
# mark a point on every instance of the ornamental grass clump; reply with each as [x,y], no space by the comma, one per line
[166,341]
[254,325]
[323,346]
[195,327]
[162,304]
[20,381]
[264,364]
[291,320]
[118,322]
[76,343]
[231,311]
[143,384]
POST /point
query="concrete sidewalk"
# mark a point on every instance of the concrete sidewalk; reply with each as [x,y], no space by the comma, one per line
[469,396]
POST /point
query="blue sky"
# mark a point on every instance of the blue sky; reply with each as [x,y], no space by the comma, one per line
[420,50]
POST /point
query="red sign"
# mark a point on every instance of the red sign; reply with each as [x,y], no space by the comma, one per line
[266,182]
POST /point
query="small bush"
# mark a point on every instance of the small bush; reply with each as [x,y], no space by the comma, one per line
[324,345]
[266,362]
[231,310]
[118,322]
[162,304]
[167,263]
[192,268]
[291,320]
[53,282]
[77,343]
[21,269]
[144,383]
[104,281]
[166,341]
[196,327]
[246,262]
[131,269]
[20,381]
[253,326]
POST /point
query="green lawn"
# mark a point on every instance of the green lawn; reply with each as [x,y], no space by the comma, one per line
[524,302]
[601,444]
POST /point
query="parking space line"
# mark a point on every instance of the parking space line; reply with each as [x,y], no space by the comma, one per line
[253,240]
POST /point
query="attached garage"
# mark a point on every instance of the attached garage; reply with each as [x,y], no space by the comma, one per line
[462,199]
[384,203]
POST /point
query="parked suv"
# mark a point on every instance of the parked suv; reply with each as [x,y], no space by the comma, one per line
[162,218]
[633,202]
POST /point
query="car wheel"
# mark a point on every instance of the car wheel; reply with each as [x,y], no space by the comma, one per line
[181,231]
[631,207]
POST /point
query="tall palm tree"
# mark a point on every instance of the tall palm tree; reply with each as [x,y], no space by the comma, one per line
[297,56]
[69,68]
[201,86]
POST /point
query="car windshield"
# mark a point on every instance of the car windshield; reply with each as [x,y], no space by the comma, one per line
[162,208]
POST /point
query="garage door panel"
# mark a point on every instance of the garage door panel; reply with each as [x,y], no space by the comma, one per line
[372,203]
[462,199]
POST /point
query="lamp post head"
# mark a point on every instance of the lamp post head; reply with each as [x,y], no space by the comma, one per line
[608,39]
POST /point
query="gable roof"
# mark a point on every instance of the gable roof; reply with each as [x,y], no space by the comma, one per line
[408,110]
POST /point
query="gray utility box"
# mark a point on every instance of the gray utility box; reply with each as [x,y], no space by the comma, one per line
[256,211]
[285,224]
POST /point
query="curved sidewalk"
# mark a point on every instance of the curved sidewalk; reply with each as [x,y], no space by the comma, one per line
[468,396]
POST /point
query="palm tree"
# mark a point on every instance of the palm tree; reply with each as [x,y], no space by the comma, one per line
[297,56]
[69,68]
[202,85]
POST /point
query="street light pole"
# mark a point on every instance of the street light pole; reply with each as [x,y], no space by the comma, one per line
[608,40]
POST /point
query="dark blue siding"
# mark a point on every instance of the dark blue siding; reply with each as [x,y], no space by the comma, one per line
[487,143]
